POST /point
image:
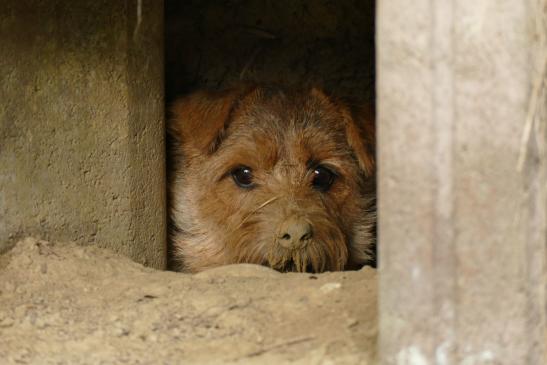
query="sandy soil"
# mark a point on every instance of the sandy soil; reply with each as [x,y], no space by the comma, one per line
[66,304]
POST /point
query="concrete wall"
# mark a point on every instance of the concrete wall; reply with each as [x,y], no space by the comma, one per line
[81,124]
[462,181]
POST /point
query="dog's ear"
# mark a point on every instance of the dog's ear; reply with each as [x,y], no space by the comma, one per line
[360,129]
[199,121]
[361,135]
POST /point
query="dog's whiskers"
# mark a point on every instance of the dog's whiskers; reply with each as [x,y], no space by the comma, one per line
[246,218]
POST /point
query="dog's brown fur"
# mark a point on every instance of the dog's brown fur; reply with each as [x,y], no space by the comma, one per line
[281,135]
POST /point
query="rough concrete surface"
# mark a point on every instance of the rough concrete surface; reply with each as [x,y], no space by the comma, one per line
[68,304]
[462,181]
[81,124]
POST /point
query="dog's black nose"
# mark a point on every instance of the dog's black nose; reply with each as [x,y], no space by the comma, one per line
[295,233]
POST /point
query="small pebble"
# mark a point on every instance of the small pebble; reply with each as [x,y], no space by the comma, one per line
[328,287]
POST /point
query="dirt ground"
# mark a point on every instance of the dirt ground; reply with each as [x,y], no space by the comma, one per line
[67,304]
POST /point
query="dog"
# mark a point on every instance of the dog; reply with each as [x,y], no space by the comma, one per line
[270,176]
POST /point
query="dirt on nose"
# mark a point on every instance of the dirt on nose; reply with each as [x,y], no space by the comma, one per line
[294,232]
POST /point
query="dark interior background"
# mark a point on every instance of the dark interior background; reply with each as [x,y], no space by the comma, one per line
[324,43]
[218,43]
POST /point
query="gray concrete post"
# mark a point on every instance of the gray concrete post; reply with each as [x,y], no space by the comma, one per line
[81,124]
[462,181]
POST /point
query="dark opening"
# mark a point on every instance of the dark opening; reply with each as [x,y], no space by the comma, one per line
[322,43]
[216,44]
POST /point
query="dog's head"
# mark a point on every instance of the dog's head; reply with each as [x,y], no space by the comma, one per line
[271,177]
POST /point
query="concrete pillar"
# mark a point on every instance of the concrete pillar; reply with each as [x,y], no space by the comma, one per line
[81,124]
[462,181]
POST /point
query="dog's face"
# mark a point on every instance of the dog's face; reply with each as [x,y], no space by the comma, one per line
[270,177]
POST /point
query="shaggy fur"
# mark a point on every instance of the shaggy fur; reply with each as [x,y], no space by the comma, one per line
[281,135]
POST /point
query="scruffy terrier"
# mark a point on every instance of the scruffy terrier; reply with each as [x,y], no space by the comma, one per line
[270,176]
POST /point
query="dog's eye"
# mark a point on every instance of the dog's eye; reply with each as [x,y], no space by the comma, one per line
[322,178]
[243,177]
